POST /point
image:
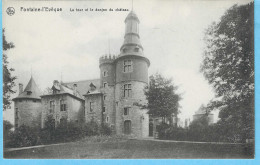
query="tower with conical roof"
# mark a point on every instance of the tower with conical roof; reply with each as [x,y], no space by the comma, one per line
[131,77]
[28,105]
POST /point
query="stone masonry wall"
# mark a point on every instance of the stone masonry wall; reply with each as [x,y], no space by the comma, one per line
[74,110]
[29,112]
[96,114]
[138,117]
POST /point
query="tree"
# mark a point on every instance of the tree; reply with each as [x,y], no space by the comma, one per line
[228,65]
[162,98]
[8,79]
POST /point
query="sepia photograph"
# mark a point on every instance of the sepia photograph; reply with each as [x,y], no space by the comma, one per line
[128,79]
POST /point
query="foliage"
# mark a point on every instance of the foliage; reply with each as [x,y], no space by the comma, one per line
[163,101]
[24,136]
[200,130]
[63,132]
[228,65]
[105,130]
[8,79]
[7,126]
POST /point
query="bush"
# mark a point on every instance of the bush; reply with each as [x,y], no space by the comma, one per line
[7,126]
[24,136]
[105,130]
[91,129]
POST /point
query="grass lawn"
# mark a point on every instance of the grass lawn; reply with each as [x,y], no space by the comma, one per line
[134,149]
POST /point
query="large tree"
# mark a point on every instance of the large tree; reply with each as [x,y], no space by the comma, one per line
[228,65]
[163,101]
[8,79]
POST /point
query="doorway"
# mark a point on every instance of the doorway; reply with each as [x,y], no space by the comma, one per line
[127,127]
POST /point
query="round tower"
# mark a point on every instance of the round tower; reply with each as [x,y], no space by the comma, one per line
[107,84]
[131,78]
[28,105]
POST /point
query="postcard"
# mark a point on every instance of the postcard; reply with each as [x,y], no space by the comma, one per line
[128,79]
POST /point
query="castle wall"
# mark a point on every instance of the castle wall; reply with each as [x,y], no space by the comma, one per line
[73,112]
[109,104]
[139,73]
[96,113]
[28,112]
[138,117]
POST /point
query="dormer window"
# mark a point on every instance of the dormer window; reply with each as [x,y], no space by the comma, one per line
[29,92]
[92,87]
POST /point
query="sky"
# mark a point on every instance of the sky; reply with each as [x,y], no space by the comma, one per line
[67,45]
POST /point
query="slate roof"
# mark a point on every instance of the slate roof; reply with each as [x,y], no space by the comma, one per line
[83,86]
[31,91]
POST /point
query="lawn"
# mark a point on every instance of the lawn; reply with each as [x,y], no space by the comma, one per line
[134,149]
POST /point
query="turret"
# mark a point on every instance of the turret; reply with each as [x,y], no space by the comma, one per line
[28,105]
[107,69]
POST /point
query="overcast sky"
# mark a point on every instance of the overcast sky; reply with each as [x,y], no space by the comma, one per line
[71,43]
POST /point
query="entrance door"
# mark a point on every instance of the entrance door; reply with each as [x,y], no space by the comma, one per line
[150,129]
[127,127]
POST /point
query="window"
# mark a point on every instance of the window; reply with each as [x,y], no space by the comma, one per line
[63,121]
[127,90]
[107,119]
[62,105]
[104,97]
[52,106]
[104,84]
[91,106]
[105,73]
[104,109]
[16,112]
[136,49]
[127,66]
[124,50]
[126,111]
[29,92]
[117,103]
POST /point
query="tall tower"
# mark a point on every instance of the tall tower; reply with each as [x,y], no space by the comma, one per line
[131,77]
[28,105]
[107,88]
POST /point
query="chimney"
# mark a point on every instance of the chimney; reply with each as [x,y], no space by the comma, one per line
[20,88]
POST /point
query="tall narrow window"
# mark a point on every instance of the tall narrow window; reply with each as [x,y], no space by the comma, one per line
[16,113]
[104,109]
[105,73]
[62,105]
[127,90]
[52,106]
[126,111]
[105,84]
[91,106]
[107,119]
[104,97]
[127,66]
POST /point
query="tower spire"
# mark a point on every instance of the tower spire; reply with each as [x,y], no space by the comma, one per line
[132,44]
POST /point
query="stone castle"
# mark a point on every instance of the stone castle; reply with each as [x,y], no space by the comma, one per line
[113,99]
